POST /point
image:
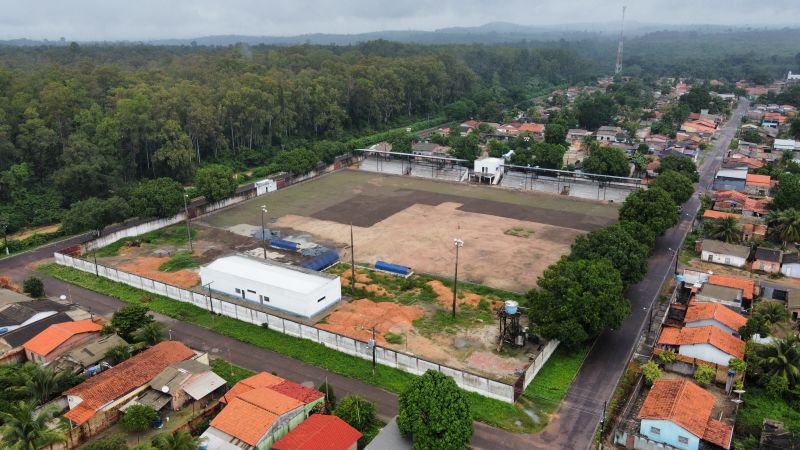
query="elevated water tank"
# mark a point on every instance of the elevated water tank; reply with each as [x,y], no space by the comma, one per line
[511,306]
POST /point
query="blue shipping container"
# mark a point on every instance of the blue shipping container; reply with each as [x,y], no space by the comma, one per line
[394,268]
[322,261]
[284,244]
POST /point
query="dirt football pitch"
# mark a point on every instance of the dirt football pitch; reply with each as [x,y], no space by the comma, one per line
[509,236]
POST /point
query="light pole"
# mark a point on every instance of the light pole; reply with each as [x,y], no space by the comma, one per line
[188,230]
[458,243]
[170,334]
[352,263]
[676,254]
[263,235]
[372,342]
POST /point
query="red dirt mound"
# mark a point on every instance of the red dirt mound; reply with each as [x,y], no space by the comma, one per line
[357,318]
[147,266]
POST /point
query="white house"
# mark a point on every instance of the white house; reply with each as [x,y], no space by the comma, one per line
[722,253]
[488,170]
[266,185]
[678,413]
[793,76]
[790,265]
[707,343]
[714,314]
[785,144]
[291,289]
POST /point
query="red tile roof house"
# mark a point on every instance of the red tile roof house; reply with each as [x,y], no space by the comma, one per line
[678,413]
[260,410]
[320,432]
[707,343]
[58,339]
[95,402]
[714,314]
[758,185]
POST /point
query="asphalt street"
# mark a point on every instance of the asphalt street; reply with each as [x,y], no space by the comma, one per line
[571,427]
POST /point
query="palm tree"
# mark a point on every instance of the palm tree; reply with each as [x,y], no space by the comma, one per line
[782,359]
[24,429]
[151,333]
[785,225]
[725,229]
[43,383]
[181,440]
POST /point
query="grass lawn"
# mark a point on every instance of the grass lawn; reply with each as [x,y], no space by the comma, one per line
[179,261]
[173,235]
[551,383]
[493,412]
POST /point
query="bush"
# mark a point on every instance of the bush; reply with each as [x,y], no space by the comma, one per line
[138,418]
[358,413]
[178,261]
[667,356]
[777,386]
[651,372]
[34,287]
[330,396]
[704,374]
[435,413]
[737,365]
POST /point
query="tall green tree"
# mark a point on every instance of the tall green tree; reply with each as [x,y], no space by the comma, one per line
[181,440]
[678,185]
[615,244]
[576,300]
[606,161]
[215,182]
[725,229]
[435,413]
[160,197]
[680,164]
[95,214]
[130,318]
[138,418]
[782,359]
[594,111]
[550,156]
[653,207]
[150,333]
[785,225]
[555,133]
[359,414]
[25,429]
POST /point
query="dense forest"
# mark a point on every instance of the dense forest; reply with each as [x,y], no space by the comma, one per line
[93,121]
[79,122]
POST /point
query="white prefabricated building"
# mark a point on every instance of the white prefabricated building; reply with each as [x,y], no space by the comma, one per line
[290,289]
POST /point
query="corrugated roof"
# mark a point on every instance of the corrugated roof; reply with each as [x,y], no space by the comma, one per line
[768,254]
[319,432]
[297,391]
[55,335]
[723,248]
[203,385]
[759,180]
[715,311]
[22,335]
[736,174]
[244,421]
[126,376]
[94,351]
[724,293]
[269,272]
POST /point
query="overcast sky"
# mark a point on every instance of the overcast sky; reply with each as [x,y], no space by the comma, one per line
[83,20]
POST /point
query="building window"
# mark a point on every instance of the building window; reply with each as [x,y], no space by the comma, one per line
[323,298]
[654,430]
[263,298]
[238,291]
[251,291]
[683,439]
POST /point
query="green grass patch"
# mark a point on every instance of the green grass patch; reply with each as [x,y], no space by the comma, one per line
[174,235]
[551,383]
[520,232]
[443,321]
[394,338]
[231,373]
[489,411]
[179,261]
[757,405]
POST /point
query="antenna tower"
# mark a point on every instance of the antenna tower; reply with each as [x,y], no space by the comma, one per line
[618,66]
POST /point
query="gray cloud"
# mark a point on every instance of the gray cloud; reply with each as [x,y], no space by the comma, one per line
[156,19]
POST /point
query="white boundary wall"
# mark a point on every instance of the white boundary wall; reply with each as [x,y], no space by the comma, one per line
[344,344]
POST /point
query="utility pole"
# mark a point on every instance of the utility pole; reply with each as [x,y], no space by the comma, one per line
[372,344]
[263,232]
[352,262]
[188,230]
[458,243]
[618,66]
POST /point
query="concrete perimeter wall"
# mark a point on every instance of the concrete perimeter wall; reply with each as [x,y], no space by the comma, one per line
[361,349]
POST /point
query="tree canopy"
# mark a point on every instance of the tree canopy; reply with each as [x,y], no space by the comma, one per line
[678,185]
[130,318]
[680,164]
[160,197]
[435,413]
[215,182]
[576,300]
[617,245]
[606,161]
[653,207]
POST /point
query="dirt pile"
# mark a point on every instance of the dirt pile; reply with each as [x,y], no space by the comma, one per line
[357,318]
[147,266]
[444,295]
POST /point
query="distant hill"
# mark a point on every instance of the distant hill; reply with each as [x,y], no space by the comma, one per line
[490,33]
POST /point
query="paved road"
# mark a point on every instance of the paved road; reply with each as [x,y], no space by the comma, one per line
[573,425]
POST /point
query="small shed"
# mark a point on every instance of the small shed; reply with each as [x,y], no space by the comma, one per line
[295,290]
[723,253]
[488,170]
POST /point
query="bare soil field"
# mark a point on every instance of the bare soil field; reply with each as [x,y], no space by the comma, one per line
[413,222]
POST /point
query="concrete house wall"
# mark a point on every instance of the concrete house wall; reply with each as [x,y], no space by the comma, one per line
[728,260]
[706,352]
[712,322]
[668,433]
